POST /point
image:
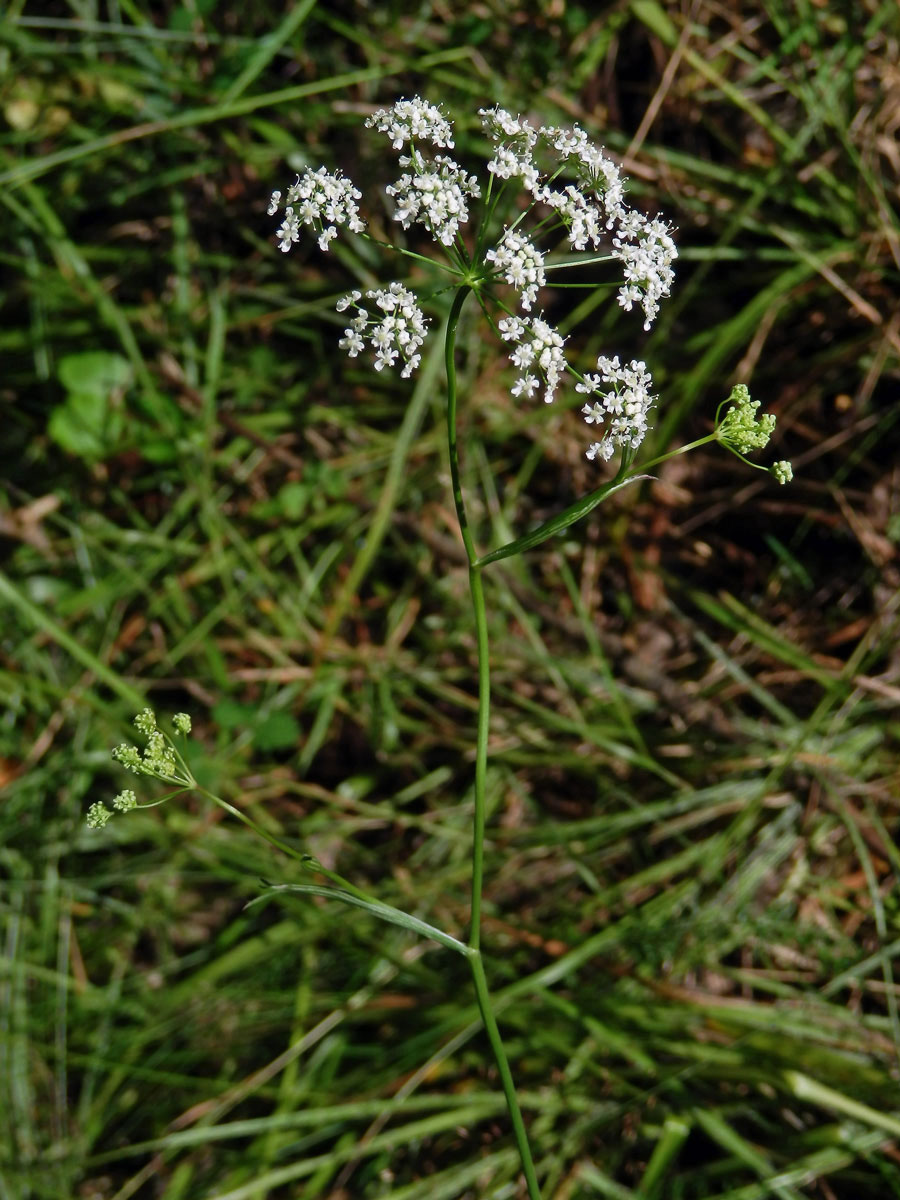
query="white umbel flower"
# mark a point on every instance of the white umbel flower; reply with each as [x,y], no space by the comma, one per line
[434,194]
[595,172]
[589,209]
[623,402]
[539,348]
[647,250]
[593,208]
[521,265]
[396,334]
[319,199]
[412,120]
[515,141]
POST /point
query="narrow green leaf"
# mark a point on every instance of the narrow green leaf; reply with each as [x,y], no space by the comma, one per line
[267,48]
[805,1088]
[561,521]
[384,912]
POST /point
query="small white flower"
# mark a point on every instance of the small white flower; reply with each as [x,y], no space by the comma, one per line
[523,356]
[352,343]
[783,471]
[412,120]
[289,231]
[525,385]
[604,450]
[345,301]
[629,295]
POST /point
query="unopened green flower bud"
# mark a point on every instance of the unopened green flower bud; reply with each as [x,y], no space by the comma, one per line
[159,758]
[129,758]
[125,801]
[740,428]
[182,723]
[146,721]
[97,815]
[783,471]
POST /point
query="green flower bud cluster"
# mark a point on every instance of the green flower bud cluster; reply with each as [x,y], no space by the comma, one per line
[160,759]
[742,431]
[98,814]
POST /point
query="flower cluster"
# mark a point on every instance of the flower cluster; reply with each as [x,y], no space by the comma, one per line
[521,265]
[586,213]
[321,200]
[98,814]
[623,408]
[434,194]
[397,334]
[590,210]
[411,120]
[562,172]
[587,210]
[598,204]
[515,141]
[159,759]
[538,348]
[647,251]
[742,431]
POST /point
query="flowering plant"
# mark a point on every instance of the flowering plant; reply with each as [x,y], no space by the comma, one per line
[557,191]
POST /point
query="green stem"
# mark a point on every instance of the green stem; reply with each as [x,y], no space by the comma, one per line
[506,1079]
[710,437]
[450,362]
[654,462]
[476,589]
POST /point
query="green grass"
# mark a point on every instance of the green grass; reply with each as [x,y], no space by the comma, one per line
[691,905]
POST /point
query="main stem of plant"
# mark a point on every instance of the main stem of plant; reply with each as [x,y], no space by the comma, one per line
[476,589]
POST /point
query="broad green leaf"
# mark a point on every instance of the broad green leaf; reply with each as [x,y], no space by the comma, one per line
[96,371]
[85,425]
[278,731]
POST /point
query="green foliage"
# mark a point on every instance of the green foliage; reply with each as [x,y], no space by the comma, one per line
[89,422]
